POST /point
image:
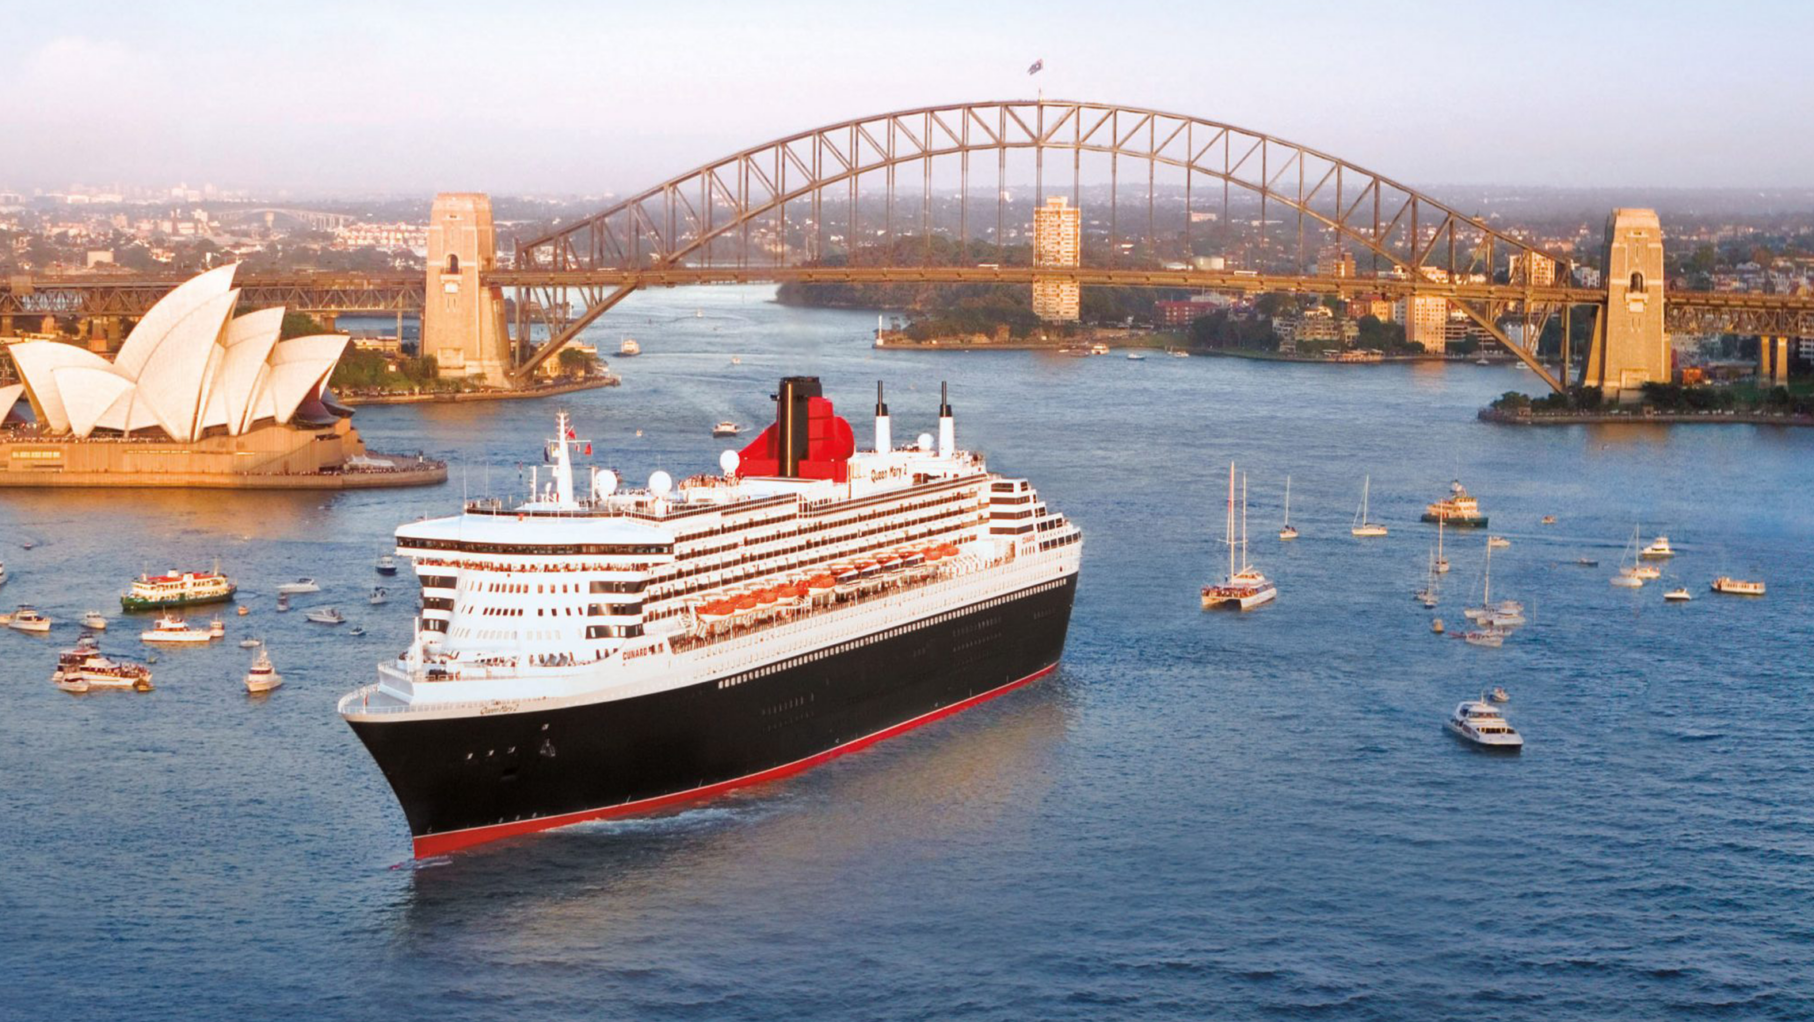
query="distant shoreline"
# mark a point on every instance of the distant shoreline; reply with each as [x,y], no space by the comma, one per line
[1642,417]
[457,396]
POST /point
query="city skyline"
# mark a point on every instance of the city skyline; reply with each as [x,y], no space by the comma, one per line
[414,98]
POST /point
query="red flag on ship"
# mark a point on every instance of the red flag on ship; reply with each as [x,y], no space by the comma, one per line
[588,450]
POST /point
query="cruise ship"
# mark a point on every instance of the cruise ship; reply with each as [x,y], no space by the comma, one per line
[595,651]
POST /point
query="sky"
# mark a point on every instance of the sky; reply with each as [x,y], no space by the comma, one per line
[380,97]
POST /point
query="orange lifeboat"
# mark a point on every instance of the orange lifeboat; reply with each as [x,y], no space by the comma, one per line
[947,550]
[821,582]
[746,602]
[765,597]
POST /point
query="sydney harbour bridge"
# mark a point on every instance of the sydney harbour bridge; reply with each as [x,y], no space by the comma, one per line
[865,200]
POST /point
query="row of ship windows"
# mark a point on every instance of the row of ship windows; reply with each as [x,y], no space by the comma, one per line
[795,565]
[899,630]
[590,610]
[558,549]
[942,509]
[1065,540]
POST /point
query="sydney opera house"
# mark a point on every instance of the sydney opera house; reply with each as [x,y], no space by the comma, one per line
[195,397]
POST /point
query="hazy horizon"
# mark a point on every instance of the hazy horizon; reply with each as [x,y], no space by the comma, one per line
[574,100]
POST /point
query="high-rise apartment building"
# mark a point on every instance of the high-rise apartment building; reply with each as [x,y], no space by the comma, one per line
[1057,242]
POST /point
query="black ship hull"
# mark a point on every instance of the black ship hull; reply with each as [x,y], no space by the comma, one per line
[467,780]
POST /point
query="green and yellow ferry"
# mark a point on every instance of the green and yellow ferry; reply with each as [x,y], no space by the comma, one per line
[177,589]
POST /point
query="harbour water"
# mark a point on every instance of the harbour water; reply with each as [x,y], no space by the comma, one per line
[1198,816]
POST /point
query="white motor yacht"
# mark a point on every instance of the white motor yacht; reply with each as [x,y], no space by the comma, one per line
[28,619]
[326,616]
[173,630]
[1679,595]
[726,428]
[298,587]
[385,565]
[92,619]
[1481,723]
[262,677]
[379,595]
[1658,550]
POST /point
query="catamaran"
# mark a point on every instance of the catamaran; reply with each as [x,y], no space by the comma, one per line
[1245,588]
[1362,526]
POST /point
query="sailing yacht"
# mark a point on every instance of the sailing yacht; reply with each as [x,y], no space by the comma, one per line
[1631,573]
[1245,588]
[1428,595]
[1499,616]
[1363,527]
[1289,531]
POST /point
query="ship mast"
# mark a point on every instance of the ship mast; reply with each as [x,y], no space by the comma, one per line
[563,464]
[1243,521]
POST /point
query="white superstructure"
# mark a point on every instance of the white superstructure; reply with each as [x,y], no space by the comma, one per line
[586,592]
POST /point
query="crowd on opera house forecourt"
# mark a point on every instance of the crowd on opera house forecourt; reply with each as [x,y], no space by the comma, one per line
[189,369]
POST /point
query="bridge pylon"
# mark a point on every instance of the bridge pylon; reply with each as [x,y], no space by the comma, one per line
[462,319]
[1630,348]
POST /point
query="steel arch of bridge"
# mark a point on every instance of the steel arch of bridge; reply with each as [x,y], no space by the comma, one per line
[685,222]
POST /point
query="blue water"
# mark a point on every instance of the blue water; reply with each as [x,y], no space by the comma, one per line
[1197,816]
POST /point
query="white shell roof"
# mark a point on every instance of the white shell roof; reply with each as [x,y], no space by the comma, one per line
[187,367]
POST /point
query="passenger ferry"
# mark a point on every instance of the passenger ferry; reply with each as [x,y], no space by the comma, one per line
[83,669]
[1458,509]
[177,589]
[629,348]
[1736,587]
[593,651]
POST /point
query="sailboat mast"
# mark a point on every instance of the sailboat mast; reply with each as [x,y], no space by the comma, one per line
[1231,519]
[1243,521]
[1486,591]
[1288,500]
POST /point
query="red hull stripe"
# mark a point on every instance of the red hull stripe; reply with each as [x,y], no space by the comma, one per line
[441,844]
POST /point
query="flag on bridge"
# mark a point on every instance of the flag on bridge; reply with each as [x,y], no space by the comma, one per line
[1038,66]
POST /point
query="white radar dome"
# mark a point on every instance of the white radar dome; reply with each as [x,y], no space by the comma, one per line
[925,441]
[604,484]
[660,483]
[729,461]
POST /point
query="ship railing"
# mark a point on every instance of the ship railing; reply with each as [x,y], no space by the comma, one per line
[370,699]
[734,628]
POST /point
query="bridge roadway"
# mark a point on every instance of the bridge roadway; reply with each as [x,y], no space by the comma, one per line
[94,295]
[100,295]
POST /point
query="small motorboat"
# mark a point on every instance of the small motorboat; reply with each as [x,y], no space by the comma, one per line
[736,360]
[1136,356]
[1436,625]
[27,619]
[386,565]
[1737,587]
[298,587]
[249,643]
[326,616]
[1679,595]
[379,595]
[283,604]
[1549,519]
[217,628]
[1499,694]
[629,348]
[1498,542]
[1178,353]
[173,630]
[726,428]
[262,677]
[92,619]
[244,610]
[355,631]
[1587,562]
[1481,723]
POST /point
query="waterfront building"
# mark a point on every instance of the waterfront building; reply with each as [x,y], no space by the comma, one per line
[1533,268]
[1426,321]
[1057,233]
[1335,264]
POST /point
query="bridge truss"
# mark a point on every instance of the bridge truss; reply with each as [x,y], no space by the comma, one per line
[801,201]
